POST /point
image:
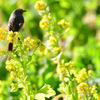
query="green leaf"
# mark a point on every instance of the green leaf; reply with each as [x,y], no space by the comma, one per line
[45,91]
[67,89]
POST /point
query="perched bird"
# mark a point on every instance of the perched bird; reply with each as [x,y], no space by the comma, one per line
[15,23]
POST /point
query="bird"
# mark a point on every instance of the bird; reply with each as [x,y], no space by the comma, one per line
[15,23]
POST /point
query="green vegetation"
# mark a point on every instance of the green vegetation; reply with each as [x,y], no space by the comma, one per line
[58,56]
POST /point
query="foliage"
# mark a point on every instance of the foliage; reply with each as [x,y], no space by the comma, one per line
[64,65]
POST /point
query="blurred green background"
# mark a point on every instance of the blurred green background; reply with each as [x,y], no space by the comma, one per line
[82,41]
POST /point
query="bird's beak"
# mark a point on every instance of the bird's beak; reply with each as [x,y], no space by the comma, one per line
[24,10]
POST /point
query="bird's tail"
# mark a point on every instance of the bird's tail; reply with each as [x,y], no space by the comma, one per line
[10,46]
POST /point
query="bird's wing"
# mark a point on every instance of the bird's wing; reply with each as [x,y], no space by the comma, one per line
[16,23]
[10,23]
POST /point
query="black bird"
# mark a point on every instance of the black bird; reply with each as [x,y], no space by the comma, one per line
[15,23]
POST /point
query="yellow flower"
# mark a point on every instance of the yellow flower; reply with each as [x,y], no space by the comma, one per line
[67,24]
[3,33]
[69,63]
[12,36]
[56,49]
[82,89]
[82,75]
[0,91]
[45,17]
[9,67]
[28,49]
[29,43]
[5,29]
[13,74]
[33,85]
[0,31]
[96,96]
[52,40]
[28,38]
[46,51]
[63,72]
[40,5]
[93,89]
[44,23]
[89,73]
[94,92]
[63,23]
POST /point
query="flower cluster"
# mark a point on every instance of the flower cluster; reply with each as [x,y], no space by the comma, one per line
[52,40]
[83,75]
[3,33]
[40,5]
[31,44]
[62,71]
[83,91]
[22,59]
[64,23]
[12,36]
[69,64]
[65,70]
[12,66]
[57,49]
[94,92]
[44,23]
